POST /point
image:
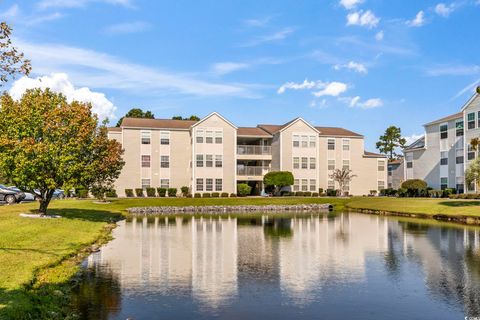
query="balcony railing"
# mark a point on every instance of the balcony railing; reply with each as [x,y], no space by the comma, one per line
[252,171]
[254,150]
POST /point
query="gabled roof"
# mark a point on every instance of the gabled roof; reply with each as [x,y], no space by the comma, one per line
[157,123]
[418,144]
[215,114]
[252,132]
[337,132]
[273,128]
[395,161]
[475,95]
[114,129]
[368,154]
[454,116]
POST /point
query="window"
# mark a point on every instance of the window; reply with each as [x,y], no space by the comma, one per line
[145,183]
[459,159]
[444,131]
[443,158]
[164,137]
[145,137]
[470,153]
[304,163]
[218,184]
[165,162]
[313,141]
[304,141]
[331,184]
[459,128]
[409,165]
[164,183]
[313,185]
[304,184]
[209,160]
[208,184]
[346,164]
[381,184]
[443,183]
[381,165]
[331,144]
[199,185]
[209,137]
[218,137]
[409,160]
[460,186]
[296,163]
[296,141]
[218,161]
[346,144]
[199,160]
[331,164]
[199,136]
[296,186]
[145,161]
[313,163]
[471,120]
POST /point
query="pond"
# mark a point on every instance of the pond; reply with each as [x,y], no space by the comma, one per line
[331,266]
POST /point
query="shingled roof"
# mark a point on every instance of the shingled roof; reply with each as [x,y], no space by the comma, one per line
[252,132]
[157,123]
[337,132]
[447,118]
[373,155]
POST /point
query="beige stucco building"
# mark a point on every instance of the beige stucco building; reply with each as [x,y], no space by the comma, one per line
[214,155]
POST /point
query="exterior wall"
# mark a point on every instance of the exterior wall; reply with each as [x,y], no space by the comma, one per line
[276,151]
[473,107]
[129,177]
[180,159]
[397,175]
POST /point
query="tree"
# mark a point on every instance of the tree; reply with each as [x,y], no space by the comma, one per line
[136,113]
[472,174]
[390,140]
[12,61]
[278,179]
[342,177]
[47,143]
[193,118]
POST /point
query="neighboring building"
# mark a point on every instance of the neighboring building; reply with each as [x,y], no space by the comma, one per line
[213,155]
[396,173]
[442,155]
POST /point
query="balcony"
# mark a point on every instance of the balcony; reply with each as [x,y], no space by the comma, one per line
[252,173]
[254,152]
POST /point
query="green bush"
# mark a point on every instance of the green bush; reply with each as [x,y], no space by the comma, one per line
[197,195]
[415,188]
[331,193]
[224,195]
[402,192]
[435,193]
[129,192]
[162,192]
[447,192]
[279,179]
[139,192]
[307,194]
[215,195]
[172,192]
[243,189]
[299,194]
[315,194]
[206,195]
[151,192]
[82,193]
[111,194]
[185,190]
[233,195]
[320,190]
[189,195]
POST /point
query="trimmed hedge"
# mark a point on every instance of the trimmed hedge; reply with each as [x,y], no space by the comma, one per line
[172,192]
[243,189]
[197,195]
[471,196]
[224,195]
[185,191]
[233,195]
[111,194]
[151,192]
[206,195]
[139,192]
[215,195]
[162,192]
[129,192]
[315,194]
[307,194]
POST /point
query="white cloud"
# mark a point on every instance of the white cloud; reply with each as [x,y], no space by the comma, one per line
[46,4]
[352,65]
[127,27]
[350,4]
[453,70]
[379,35]
[356,102]
[100,70]
[364,19]
[444,10]
[59,82]
[411,139]
[333,89]
[260,22]
[300,86]
[418,21]
[222,68]
[276,36]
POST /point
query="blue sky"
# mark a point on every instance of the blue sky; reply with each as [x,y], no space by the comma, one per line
[358,64]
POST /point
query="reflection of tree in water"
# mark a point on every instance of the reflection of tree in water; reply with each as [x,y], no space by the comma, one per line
[414,228]
[392,259]
[98,295]
[278,228]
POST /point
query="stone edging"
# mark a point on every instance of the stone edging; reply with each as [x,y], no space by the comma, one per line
[227,209]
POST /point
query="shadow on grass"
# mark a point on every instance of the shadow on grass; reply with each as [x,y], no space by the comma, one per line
[85,214]
[460,203]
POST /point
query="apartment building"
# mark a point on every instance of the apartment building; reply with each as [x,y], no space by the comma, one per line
[396,173]
[442,155]
[214,155]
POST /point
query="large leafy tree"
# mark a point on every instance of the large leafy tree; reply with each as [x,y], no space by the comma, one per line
[136,113]
[47,143]
[12,61]
[342,177]
[472,174]
[278,179]
[192,117]
[391,140]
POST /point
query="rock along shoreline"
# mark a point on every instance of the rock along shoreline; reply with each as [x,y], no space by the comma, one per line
[171,210]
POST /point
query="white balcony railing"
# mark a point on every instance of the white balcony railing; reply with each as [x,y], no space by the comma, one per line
[254,150]
[252,171]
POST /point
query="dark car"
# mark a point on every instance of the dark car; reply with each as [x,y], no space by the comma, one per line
[10,196]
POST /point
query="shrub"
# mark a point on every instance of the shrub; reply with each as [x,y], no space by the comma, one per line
[447,192]
[111,193]
[129,192]
[224,195]
[162,192]
[172,192]
[98,193]
[206,195]
[307,194]
[373,192]
[197,195]
[82,193]
[331,193]
[151,192]
[243,189]
[287,194]
[185,190]
[320,190]
[299,194]
[279,179]
[233,195]
[415,188]
[215,195]
[315,194]
[189,195]
[435,193]
[402,192]
[139,192]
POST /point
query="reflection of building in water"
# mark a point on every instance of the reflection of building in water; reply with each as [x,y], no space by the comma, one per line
[176,255]
[323,250]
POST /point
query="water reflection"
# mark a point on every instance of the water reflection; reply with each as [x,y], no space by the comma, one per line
[297,266]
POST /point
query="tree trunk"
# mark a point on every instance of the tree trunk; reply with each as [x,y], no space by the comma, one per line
[46,197]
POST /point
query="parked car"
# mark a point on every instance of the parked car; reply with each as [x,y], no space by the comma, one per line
[57,194]
[10,196]
[28,196]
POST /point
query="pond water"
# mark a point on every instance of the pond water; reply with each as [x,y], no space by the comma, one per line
[331,266]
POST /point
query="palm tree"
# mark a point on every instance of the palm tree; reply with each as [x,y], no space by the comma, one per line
[343,177]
